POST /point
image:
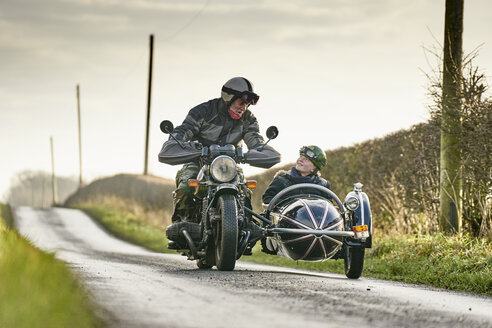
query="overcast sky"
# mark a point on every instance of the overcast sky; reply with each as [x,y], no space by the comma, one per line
[330,73]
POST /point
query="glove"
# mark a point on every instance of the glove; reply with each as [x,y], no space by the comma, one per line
[195,145]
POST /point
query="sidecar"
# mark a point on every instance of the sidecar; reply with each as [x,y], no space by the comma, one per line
[316,226]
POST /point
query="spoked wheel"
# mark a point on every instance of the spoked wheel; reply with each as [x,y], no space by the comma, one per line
[226,231]
[354,261]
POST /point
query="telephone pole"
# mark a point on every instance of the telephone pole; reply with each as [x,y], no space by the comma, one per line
[146,165]
[80,137]
[451,180]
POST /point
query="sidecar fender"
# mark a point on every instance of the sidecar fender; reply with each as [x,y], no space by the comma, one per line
[362,215]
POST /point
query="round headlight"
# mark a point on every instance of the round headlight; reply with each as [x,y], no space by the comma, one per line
[351,203]
[223,168]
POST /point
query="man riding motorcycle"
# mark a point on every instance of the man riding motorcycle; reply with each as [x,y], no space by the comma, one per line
[220,121]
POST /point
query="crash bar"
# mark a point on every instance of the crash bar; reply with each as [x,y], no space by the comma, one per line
[313,232]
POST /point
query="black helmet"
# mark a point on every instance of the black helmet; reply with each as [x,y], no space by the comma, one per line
[311,214]
[239,87]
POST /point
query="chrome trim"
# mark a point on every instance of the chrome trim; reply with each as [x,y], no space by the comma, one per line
[333,240]
[358,190]
[310,212]
[309,249]
[361,206]
[201,174]
[335,225]
[313,232]
[329,256]
[325,215]
[323,247]
[296,239]
[295,222]
[306,185]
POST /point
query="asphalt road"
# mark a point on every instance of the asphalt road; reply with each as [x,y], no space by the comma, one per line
[138,288]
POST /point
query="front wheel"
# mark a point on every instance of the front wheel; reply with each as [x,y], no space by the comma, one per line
[354,261]
[226,231]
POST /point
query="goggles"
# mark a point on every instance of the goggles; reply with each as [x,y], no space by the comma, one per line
[307,152]
[247,97]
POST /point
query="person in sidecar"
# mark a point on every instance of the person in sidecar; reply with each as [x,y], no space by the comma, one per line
[311,160]
[221,121]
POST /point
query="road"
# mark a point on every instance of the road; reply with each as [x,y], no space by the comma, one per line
[134,287]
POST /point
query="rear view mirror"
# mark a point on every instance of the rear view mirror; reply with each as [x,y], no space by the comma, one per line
[167,126]
[272,132]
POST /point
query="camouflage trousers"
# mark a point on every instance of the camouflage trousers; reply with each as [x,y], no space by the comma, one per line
[184,203]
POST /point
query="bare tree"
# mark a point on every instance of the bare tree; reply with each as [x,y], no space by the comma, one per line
[30,188]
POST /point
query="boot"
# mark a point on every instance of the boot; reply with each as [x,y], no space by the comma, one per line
[178,215]
[184,206]
[179,206]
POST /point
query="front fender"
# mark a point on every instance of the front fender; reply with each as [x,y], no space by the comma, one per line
[362,215]
[225,188]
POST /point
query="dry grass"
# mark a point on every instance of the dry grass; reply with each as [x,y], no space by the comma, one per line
[147,197]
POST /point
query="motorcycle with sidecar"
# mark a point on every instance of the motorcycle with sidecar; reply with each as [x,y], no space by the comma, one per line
[305,222]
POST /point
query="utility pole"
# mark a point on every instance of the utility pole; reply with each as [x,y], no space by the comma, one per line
[451,183]
[146,165]
[53,179]
[80,137]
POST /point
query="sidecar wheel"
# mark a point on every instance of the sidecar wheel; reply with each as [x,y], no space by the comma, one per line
[354,261]
[226,233]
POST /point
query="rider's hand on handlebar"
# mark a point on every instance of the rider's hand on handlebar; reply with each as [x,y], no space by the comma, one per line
[195,145]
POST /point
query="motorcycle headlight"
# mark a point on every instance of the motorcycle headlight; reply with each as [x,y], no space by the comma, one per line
[351,203]
[223,168]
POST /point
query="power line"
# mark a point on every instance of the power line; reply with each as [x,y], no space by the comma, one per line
[188,24]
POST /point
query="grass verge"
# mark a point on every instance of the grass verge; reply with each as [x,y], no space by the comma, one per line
[6,216]
[455,263]
[128,227]
[462,264]
[36,289]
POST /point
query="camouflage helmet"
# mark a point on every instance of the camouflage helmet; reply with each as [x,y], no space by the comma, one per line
[315,155]
[239,87]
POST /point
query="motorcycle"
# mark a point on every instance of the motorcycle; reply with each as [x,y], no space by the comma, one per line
[220,230]
[304,222]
